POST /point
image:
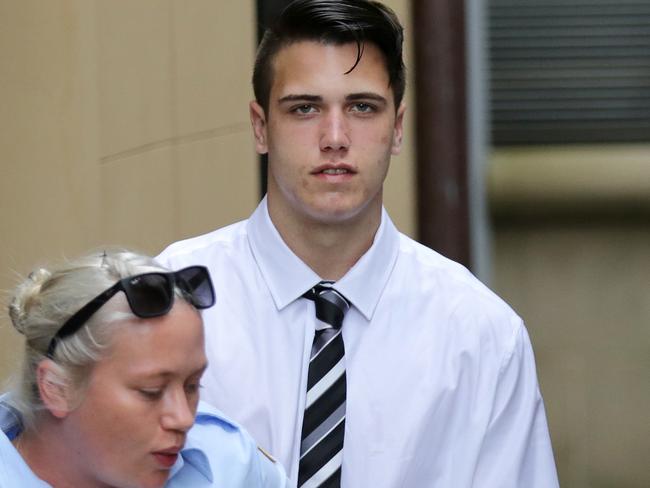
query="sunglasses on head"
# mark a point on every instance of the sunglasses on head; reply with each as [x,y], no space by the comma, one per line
[149,295]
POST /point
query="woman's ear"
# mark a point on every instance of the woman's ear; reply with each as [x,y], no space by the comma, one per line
[54,388]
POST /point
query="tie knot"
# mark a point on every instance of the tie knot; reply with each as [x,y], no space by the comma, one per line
[331,306]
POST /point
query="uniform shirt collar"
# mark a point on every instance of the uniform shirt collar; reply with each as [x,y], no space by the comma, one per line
[195,456]
[12,465]
[10,421]
[288,277]
[196,446]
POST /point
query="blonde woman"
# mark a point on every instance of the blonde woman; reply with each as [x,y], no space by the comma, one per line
[109,391]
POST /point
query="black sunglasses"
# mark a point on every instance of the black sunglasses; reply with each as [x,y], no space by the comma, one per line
[149,295]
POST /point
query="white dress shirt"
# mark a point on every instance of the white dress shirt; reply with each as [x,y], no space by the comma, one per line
[441,382]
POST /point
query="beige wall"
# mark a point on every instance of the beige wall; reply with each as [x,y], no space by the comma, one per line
[127,123]
[583,290]
[572,256]
[399,191]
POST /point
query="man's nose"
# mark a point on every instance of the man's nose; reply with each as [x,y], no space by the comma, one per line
[335,132]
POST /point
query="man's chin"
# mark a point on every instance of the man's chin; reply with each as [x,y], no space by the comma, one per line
[339,214]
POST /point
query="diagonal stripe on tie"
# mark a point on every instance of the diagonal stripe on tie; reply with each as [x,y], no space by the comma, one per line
[328,424]
[325,383]
[326,448]
[329,476]
[323,426]
[324,359]
[324,406]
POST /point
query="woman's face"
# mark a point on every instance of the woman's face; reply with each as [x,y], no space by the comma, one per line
[140,401]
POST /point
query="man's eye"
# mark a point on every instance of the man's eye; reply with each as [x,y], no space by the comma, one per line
[362,107]
[304,109]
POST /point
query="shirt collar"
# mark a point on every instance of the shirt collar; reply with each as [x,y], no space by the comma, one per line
[10,421]
[288,277]
[12,465]
[195,448]
[194,456]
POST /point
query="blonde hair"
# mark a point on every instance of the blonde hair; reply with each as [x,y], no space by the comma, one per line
[43,302]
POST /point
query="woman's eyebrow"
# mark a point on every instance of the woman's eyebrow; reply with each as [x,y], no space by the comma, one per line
[164,373]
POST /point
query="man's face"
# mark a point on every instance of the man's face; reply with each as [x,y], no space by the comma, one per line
[329,135]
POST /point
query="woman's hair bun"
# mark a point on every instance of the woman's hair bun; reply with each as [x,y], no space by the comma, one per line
[25,295]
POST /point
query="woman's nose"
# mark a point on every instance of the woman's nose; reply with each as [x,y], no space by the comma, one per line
[179,413]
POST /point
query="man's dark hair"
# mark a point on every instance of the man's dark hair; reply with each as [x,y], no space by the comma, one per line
[332,22]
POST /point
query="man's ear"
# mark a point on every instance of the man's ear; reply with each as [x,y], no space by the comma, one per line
[53,388]
[398,131]
[258,121]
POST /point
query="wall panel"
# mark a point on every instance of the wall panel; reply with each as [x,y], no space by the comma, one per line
[114,112]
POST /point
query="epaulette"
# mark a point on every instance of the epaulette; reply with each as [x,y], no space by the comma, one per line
[266,454]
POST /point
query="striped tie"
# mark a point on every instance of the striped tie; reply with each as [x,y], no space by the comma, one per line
[323,426]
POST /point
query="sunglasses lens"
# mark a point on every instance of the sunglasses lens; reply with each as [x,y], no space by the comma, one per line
[196,284]
[150,294]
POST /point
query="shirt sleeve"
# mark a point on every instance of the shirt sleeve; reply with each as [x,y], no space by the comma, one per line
[271,471]
[516,450]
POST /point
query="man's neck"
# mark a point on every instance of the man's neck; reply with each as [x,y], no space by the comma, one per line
[330,249]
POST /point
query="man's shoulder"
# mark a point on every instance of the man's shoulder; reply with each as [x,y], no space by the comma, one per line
[205,244]
[433,265]
[440,277]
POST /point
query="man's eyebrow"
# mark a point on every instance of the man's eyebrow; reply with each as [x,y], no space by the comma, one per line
[353,97]
[301,97]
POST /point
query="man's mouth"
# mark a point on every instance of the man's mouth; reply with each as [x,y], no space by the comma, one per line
[334,169]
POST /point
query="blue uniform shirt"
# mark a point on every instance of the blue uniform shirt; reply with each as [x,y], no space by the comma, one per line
[217,452]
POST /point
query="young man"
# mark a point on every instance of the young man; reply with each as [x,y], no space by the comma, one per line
[357,356]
